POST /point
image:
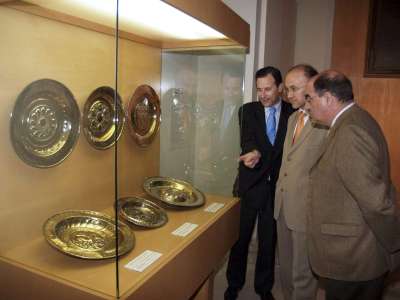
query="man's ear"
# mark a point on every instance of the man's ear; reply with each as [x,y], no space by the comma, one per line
[330,98]
[280,88]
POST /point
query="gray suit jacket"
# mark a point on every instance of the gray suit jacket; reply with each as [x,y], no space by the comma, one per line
[292,187]
[353,225]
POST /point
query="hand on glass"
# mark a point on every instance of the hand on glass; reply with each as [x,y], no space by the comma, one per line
[250,159]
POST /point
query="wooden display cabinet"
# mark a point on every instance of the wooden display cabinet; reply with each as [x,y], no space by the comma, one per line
[43,42]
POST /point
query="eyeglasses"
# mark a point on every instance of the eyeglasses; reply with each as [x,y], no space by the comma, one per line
[308,98]
[293,89]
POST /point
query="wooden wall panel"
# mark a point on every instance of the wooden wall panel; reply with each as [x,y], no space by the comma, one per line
[378,95]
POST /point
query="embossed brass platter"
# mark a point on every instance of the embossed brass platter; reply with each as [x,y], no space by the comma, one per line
[144,115]
[87,234]
[44,124]
[173,192]
[103,121]
[141,212]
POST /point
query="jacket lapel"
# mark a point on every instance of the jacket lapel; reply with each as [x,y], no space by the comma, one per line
[260,115]
[303,135]
[331,134]
[282,127]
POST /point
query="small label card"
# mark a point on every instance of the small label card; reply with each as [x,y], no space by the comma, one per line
[184,229]
[141,262]
[214,207]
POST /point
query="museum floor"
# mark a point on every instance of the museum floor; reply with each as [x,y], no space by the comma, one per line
[247,293]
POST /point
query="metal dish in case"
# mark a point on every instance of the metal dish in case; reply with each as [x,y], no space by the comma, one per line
[103,118]
[44,123]
[144,115]
[173,192]
[87,234]
[142,212]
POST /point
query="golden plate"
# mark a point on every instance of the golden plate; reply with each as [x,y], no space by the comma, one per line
[141,212]
[103,118]
[44,124]
[144,115]
[87,234]
[174,192]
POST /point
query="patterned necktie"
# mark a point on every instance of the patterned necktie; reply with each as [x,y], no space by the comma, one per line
[271,124]
[299,127]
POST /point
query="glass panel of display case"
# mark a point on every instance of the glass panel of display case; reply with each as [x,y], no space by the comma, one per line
[112,147]
[57,92]
[201,94]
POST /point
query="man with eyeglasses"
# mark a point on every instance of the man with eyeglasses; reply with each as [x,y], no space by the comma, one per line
[352,224]
[302,142]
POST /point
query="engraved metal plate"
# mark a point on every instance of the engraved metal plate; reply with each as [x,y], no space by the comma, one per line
[103,121]
[87,234]
[173,192]
[141,212]
[44,125]
[144,115]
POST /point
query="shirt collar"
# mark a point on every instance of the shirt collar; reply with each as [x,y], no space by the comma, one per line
[341,112]
[277,106]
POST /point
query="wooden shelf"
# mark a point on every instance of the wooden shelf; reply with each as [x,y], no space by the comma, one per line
[186,262]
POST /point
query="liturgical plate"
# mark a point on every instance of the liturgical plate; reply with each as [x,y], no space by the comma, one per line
[142,212]
[174,192]
[144,115]
[103,118]
[87,234]
[44,125]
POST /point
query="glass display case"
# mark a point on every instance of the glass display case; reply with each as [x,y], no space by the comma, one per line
[201,94]
[106,118]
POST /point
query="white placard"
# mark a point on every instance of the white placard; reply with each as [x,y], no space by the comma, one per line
[184,229]
[141,262]
[214,207]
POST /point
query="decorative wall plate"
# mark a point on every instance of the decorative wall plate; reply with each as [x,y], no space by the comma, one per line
[44,124]
[141,212]
[87,234]
[103,121]
[144,115]
[173,192]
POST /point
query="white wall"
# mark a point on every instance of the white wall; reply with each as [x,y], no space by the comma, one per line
[248,10]
[314,32]
[284,33]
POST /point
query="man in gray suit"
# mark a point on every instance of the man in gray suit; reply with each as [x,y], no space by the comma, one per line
[302,142]
[353,225]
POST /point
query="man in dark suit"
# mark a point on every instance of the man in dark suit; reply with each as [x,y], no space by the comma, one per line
[262,133]
[353,225]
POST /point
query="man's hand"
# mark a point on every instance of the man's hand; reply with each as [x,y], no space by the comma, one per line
[250,159]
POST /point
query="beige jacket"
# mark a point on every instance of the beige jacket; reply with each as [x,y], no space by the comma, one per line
[292,187]
[352,220]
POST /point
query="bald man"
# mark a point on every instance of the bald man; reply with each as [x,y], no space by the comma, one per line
[302,142]
[353,225]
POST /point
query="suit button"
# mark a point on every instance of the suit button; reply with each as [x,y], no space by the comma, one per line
[285,174]
[289,159]
[281,190]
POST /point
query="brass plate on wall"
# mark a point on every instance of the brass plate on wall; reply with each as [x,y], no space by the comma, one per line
[144,115]
[142,212]
[174,192]
[103,118]
[87,234]
[44,124]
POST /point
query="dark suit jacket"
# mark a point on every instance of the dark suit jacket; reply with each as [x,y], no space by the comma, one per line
[253,137]
[353,225]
